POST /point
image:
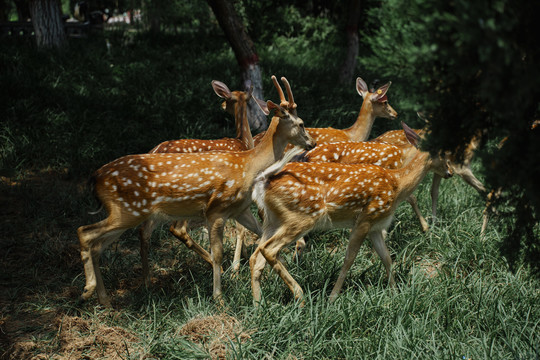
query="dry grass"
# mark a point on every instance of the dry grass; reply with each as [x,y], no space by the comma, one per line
[75,338]
[214,333]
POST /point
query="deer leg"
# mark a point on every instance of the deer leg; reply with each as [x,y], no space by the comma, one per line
[244,251]
[489,208]
[144,235]
[466,174]
[414,204]
[216,245]
[379,245]
[179,230]
[435,195]
[299,248]
[93,239]
[256,264]
[108,239]
[239,249]
[358,236]
[246,219]
[270,250]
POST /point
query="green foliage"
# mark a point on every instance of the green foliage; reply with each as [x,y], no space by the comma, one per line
[189,15]
[87,105]
[95,104]
[474,67]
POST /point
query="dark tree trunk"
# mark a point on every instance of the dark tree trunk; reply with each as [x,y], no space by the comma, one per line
[4,10]
[152,11]
[244,50]
[47,21]
[346,73]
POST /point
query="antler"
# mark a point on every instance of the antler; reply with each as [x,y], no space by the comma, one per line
[290,104]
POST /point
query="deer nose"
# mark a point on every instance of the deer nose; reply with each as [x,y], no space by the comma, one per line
[448,174]
[311,145]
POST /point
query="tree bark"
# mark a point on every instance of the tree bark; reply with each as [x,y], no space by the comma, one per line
[346,73]
[47,21]
[245,53]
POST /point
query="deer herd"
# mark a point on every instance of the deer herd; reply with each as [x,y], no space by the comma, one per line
[300,179]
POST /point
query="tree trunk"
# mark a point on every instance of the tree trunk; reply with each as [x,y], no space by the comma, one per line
[247,58]
[347,69]
[4,11]
[47,21]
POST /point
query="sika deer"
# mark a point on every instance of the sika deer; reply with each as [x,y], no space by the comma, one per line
[375,105]
[211,186]
[304,196]
[397,137]
[236,104]
[348,152]
[180,229]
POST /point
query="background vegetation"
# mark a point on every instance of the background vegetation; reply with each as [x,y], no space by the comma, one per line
[66,112]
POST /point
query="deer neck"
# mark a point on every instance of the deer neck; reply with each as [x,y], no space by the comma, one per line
[409,176]
[243,132]
[360,130]
[268,151]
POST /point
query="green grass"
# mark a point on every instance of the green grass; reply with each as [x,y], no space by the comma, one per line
[66,114]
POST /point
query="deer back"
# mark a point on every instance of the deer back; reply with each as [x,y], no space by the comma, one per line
[330,194]
[172,185]
[385,155]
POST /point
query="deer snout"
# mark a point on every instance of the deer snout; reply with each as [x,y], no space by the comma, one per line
[310,145]
[448,173]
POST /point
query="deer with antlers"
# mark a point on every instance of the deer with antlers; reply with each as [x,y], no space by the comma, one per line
[302,196]
[374,105]
[212,186]
[236,104]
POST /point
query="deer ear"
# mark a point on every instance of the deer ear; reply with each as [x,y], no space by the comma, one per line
[380,94]
[361,87]
[221,89]
[422,116]
[262,105]
[273,106]
[411,135]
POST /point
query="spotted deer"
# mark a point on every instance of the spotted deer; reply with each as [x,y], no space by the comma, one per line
[304,196]
[348,152]
[179,229]
[213,186]
[463,169]
[374,105]
[236,104]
